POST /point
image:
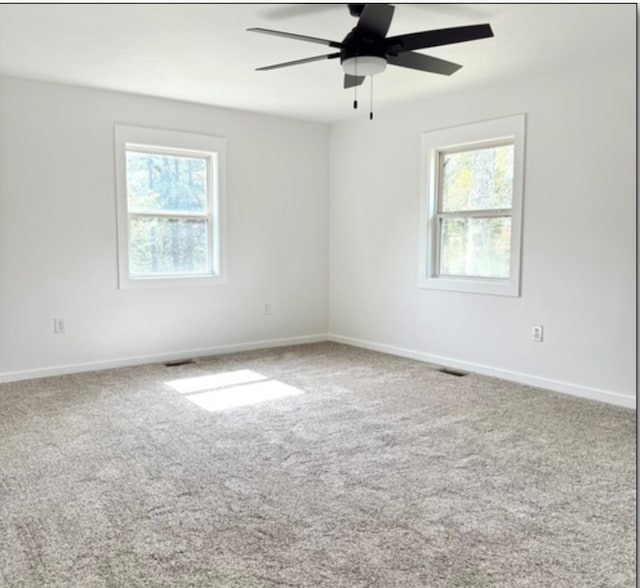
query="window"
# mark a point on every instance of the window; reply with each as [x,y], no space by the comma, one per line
[170,188]
[472,207]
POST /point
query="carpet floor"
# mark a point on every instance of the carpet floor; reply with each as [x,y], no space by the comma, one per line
[318,465]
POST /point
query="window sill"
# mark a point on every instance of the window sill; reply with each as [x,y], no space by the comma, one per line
[172,282]
[472,286]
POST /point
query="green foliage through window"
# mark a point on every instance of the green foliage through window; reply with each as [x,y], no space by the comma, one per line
[167,246]
[481,179]
[169,218]
[166,183]
[476,247]
[476,196]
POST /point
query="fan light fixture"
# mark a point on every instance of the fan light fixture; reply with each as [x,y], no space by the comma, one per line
[364,65]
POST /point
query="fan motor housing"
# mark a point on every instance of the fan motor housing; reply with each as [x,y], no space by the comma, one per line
[355,44]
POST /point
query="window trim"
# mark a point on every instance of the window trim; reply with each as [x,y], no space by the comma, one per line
[151,140]
[488,133]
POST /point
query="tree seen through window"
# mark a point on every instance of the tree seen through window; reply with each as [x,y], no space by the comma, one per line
[167,197]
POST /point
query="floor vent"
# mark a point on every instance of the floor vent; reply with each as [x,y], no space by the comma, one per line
[451,372]
[178,362]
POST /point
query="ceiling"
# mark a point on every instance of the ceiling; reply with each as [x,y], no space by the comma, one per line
[202,52]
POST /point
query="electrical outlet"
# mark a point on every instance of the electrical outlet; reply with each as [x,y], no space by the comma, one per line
[267,309]
[536,333]
[58,326]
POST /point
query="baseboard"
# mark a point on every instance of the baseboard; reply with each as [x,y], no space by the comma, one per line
[157,358]
[527,379]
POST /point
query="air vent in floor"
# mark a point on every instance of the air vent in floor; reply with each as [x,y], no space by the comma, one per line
[178,362]
[451,372]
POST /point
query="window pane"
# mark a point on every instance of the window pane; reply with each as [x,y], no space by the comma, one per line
[480,179]
[161,183]
[477,247]
[168,246]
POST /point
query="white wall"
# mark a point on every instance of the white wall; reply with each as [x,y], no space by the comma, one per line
[58,234]
[578,264]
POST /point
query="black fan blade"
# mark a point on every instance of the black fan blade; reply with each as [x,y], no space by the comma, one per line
[298,37]
[375,19]
[299,61]
[423,63]
[351,81]
[426,39]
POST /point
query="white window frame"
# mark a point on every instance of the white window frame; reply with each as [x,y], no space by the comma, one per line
[210,148]
[491,133]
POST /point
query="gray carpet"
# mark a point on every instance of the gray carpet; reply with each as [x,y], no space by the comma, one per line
[370,471]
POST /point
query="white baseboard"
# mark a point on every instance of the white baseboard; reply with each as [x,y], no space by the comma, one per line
[156,358]
[529,380]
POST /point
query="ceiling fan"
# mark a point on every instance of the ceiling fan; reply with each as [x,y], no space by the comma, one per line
[366,50]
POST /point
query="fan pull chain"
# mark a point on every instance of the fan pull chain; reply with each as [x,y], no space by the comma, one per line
[355,88]
[371,100]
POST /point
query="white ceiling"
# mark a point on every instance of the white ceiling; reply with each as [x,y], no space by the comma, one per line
[203,53]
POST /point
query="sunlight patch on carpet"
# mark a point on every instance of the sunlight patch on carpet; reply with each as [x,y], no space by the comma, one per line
[215,381]
[216,392]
